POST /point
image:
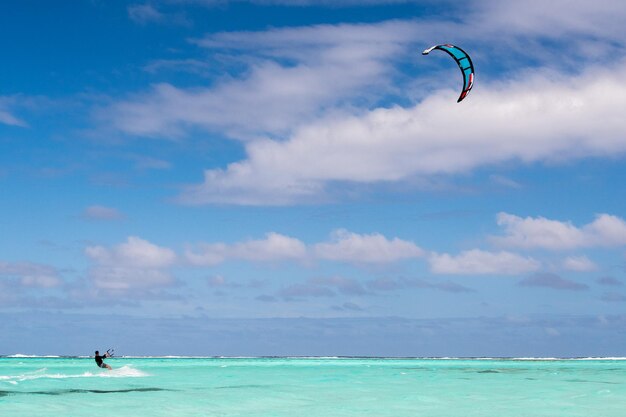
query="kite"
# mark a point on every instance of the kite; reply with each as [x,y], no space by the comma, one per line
[464,62]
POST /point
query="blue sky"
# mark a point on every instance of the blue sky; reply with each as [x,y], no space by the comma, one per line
[294,178]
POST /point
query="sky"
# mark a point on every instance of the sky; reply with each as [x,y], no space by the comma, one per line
[293,177]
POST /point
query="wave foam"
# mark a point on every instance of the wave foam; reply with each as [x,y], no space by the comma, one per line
[22,355]
[123,372]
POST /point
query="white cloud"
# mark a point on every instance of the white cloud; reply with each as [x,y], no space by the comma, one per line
[327,64]
[297,101]
[344,246]
[481,262]
[535,119]
[135,264]
[579,263]
[606,230]
[135,252]
[600,18]
[523,16]
[537,232]
[331,65]
[372,248]
[129,278]
[274,247]
[31,274]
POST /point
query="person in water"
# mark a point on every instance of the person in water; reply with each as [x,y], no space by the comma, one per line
[100,360]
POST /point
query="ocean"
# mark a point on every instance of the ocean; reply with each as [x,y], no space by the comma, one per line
[312,387]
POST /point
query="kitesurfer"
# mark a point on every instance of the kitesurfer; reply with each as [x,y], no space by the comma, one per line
[100,360]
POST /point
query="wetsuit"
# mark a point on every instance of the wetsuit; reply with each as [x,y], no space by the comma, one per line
[99,360]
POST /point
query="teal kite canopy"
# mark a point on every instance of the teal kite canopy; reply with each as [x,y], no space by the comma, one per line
[465,64]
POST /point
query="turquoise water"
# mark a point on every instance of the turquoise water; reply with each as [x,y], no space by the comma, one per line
[312,387]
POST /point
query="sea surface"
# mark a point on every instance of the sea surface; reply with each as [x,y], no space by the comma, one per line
[312,387]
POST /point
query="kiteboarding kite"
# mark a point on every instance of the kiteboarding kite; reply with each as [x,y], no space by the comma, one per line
[464,62]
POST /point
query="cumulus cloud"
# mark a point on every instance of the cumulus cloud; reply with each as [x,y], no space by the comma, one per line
[543,118]
[135,252]
[274,247]
[304,101]
[372,248]
[550,280]
[481,262]
[344,246]
[579,263]
[134,264]
[30,274]
[606,230]
[129,278]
